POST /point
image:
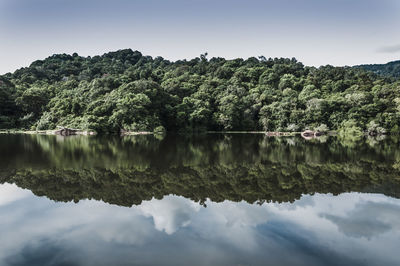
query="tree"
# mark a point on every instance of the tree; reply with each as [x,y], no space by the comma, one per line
[125,89]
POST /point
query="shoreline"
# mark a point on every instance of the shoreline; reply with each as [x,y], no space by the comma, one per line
[135,133]
[76,133]
[56,132]
[46,132]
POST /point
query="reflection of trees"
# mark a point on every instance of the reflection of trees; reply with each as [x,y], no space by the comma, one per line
[251,168]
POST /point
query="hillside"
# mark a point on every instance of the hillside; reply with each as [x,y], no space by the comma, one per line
[126,90]
[391,69]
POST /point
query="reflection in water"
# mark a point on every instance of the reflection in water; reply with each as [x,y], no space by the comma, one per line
[166,179]
[349,229]
[219,167]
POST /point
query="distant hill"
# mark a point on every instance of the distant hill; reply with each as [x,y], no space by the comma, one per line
[391,69]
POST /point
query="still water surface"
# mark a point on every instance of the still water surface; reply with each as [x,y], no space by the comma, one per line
[204,200]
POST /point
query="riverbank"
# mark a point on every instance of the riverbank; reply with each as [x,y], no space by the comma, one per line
[77,132]
[45,132]
[275,133]
[134,133]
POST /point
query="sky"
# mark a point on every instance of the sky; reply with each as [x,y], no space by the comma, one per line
[316,32]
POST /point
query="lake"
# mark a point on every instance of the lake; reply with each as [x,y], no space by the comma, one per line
[214,199]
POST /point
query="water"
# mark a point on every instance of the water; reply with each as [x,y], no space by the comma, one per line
[205,200]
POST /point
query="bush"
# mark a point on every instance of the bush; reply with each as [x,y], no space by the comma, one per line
[350,130]
[322,128]
[45,122]
[373,128]
[292,128]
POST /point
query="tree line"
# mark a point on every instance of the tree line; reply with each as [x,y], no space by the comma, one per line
[391,69]
[130,91]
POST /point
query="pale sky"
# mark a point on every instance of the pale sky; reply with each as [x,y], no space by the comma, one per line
[316,32]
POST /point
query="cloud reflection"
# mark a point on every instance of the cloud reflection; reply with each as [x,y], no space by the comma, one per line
[170,213]
[318,229]
[10,193]
[368,219]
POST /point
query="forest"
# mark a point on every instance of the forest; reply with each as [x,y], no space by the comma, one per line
[391,69]
[125,90]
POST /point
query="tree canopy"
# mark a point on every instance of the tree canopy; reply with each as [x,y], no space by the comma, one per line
[130,91]
[391,69]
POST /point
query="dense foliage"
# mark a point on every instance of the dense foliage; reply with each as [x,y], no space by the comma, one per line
[126,90]
[254,168]
[391,69]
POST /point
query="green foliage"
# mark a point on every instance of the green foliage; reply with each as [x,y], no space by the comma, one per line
[159,130]
[33,100]
[350,132]
[46,121]
[322,128]
[8,108]
[391,69]
[373,128]
[126,90]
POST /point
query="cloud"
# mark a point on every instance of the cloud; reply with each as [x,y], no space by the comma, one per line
[358,227]
[42,253]
[10,193]
[171,213]
[368,219]
[176,230]
[390,49]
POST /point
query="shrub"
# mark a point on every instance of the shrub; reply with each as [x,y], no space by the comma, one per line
[322,128]
[350,130]
[373,128]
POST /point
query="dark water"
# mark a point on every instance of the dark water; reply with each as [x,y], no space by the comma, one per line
[204,200]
